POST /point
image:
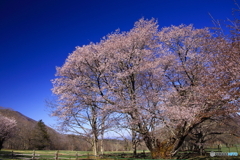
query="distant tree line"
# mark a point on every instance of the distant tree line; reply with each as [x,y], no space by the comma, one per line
[18,132]
[40,137]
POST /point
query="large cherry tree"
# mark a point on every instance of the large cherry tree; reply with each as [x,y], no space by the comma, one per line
[158,79]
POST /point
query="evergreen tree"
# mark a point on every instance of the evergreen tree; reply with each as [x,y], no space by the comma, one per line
[40,137]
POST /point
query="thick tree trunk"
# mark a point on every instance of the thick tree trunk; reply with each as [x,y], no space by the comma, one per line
[164,149]
[1,143]
[159,150]
[178,143]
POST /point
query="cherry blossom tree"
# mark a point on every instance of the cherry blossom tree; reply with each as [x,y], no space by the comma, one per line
[159,79]
[78,88]
[195,92]
[7,127]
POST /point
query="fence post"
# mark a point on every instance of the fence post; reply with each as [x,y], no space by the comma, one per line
[56,156]
[12,155]
[76,156]
[33,154]
[144,155]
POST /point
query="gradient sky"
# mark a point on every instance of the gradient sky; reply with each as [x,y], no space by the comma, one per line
[38,35]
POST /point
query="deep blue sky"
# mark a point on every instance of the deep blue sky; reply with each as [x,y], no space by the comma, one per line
[38,35]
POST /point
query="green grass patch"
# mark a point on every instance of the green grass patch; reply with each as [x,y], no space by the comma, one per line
[224,149]
[108,155]
[230,149]
[44,154]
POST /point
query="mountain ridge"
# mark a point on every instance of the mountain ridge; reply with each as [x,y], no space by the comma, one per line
[11,113]
[20,117]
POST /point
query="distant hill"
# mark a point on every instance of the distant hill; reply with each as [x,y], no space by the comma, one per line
[8,112]
[19,117]
[23,139]
[25,126]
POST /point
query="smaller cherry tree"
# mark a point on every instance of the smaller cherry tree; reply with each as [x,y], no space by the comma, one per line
[7,127]
[78,88]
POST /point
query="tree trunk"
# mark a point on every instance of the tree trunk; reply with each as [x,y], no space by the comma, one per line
[101,146]
[94,146]
[134,143]
[1,143]
[159,150]
[94,132]
[162,150]
[102,133]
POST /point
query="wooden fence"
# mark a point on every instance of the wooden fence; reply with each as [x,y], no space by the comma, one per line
[56,156]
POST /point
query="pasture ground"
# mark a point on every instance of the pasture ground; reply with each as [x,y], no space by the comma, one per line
[108,155]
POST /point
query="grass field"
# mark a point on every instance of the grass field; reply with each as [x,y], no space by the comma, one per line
[127,155]
[42,154]
[61,151]
[225,149]
[62,154]
[46,151]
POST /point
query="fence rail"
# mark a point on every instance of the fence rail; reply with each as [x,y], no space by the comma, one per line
[56,156]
